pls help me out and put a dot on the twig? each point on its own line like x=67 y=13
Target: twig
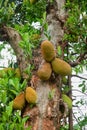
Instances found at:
x=79 y=91
x=79 y=59
x=79 y=77
x=76 y=119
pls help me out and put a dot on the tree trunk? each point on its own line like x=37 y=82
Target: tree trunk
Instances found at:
x=70 y=111
x=47 y=113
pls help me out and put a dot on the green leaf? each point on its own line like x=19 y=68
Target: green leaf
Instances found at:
x=51 y=94
x=1 y=126
x=11 y=82
x=67 y=100
x=11 y=126
x=24 y=120
x=59 y=50
x=9 y=109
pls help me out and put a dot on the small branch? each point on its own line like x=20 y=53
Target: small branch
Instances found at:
x=76 y=119
x=79 y=59
x=79 y=77
x=79 y=91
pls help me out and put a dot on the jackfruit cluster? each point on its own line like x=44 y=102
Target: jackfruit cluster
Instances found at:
x=52 y=63
x=44 y=72
x=67 y=100
x=29 y=95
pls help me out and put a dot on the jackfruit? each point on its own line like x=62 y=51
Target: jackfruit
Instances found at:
x=19 y=101
x=30 y=95
x=61 y=67
x=67 y=100
x=44 y=72
x=48 y=51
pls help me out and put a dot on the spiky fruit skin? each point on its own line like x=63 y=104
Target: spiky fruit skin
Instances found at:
x=47 y=50
x=61 y=67
x=19 y=101
x=67 y=100
x=44 y=72
x=30 y=95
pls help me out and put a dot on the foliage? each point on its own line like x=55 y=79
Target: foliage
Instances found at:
x=12 y=120
x=21 y=15
x=30 y=38
x=81 y=123
x=75 y=38
x=75 y=30
x=7 y=11
x=10 y=86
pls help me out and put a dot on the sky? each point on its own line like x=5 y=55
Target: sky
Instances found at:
x=6 y=56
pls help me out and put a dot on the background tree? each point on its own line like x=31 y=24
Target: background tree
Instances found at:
x=64 y=24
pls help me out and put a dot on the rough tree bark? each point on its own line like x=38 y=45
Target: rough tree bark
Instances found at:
x=47 y=113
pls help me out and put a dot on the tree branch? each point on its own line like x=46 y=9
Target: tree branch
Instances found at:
x=14 y=39
x=79 y=91
x=79 y=77
x=79 y=59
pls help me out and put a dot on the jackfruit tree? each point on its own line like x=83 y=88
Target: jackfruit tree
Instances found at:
x=45 y=55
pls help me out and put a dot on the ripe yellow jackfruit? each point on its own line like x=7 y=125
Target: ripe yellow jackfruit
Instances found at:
x=44 y=72
x=61 y=67
x=67 y=100
x=47 y=50
x=30 y=95
x=19 y=101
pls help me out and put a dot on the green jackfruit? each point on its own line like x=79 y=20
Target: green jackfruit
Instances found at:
x=19 y=101
x=47 y=50
x=44 y=72
x=30 y=95
x=67 y=100
x=61 y=67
